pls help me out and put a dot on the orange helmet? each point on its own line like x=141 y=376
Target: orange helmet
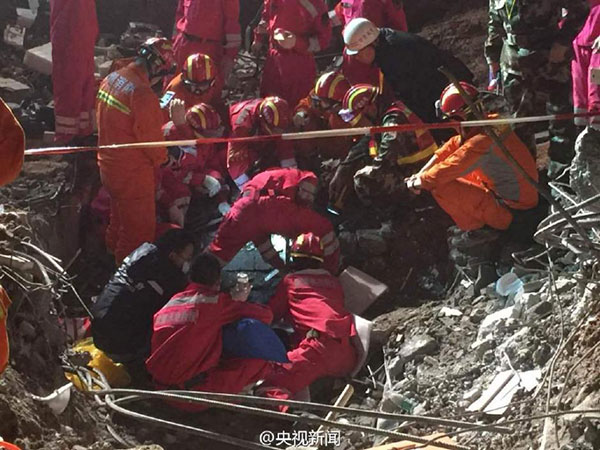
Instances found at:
x=330 y=86
x=199 y=73
x=356 y=100
x=204 y=120
x=275 y=115
x=452 y=104
x=158 y=53
x=308 y=245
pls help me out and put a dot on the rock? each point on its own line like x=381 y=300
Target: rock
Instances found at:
x=472 y=395
x=371 y=242
x=491 y=322
x=418 y=345
x=481 y=347
x=14 y=91
x=477 y=315
x=528 y=300
x=348 y=242
x=78 y=447
x=539 y=310
x=27 y=330
x=395 y=366
x=40 y=59
x=542 y=354
x=564 y=284
x=450 y=312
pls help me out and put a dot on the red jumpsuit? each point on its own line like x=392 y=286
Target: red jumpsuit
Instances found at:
x=586 y=94
x=128 y=111
x=244 y=120
x=197 y=162
x=475 y=183
x=311 y=300
x=73 y=32
x=268 y=206
x=210 y=27
x=177 y=89
x=290 y=74
x=187 y=343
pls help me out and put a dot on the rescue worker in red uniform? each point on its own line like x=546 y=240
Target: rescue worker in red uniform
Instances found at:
x=319 y=111
x=128 y=111
x=73 y=33
x=12 y=149
x=210 y=27
x=295 y=30
x=470 y=177
x=197 y=83
x=194 y=169
x=276 y=201
x=187 y=343
x=259 y=116
x=312 y=300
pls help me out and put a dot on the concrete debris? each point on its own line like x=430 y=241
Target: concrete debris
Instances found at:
x=491 y=322
x=450 y=312
x=419 y=345
x=406 y=445
x=14 y=36
x=496 y=399
x=25 y=17
x=371 y=242
x=538 y=311
x=13 y=90
x=585 y=167
x=40 y=59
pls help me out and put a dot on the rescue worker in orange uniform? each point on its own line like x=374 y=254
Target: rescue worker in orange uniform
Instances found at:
x=197 y=83
x=12 y=148
x=319 y=111
x=470 y=177
x=276 y=201
x=312 y=300
x=256 y=117
x=295 y=30
x=196 y=168
x=128 y=111
x=210 y=27
x=187 y=342
x=73 y=33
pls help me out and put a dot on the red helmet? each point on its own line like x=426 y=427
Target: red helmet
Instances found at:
x=275 y=115
x=199 y=67
x=308 y=245
x=332 y=86
x=204 y=120
x=158 y=52
x=451 y=102
x=356 y=100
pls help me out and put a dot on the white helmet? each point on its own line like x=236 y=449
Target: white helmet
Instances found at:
x=358 y=34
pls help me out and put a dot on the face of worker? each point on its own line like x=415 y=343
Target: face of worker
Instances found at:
x=366 y=55
x=182 y=259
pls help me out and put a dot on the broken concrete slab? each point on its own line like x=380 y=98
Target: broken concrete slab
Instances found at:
x=13 y=90
x=360 y=289
x=14 y=36
x=538 y=310
x=497 y=397
x=489 y=324
x=40 y=59
x=25 y=17
x=419 y=345
x=450 y=312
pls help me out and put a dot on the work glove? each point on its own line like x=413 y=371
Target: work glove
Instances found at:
x=224 y=208
x=177 y=112
x=494 y=81
x=596 y=45
x=300 y=120
x=284 y=39
x=212 y=185
x=413 y=183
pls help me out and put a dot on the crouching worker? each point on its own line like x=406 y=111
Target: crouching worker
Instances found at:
x=474 y=182
x=187 y=343
x=312 y=300
x=276 y=201
x=145 y=281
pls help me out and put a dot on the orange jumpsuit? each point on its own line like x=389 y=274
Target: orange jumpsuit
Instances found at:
x=12 y=145
x=176 y=89
x=476 y=185
x=128 y=111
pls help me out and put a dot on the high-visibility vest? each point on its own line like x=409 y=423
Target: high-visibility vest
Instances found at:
x=425 y=142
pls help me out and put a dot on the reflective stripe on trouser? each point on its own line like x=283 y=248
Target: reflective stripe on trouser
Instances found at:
x=472 y=206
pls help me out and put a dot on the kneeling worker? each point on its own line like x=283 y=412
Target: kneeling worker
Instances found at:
x=472 y=179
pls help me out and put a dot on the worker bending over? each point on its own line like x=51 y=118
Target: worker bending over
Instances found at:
x=187 y=343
